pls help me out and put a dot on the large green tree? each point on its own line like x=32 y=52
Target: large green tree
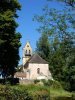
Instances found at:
x=59 y=27
x=9 y=38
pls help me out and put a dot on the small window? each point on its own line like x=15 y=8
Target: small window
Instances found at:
x=29 y=52
x=38 y=70
x=26 y=51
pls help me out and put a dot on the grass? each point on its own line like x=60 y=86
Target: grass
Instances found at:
x=53 y=92
x=59 y=93
x=49 y=88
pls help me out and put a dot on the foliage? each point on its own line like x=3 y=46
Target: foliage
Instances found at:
x=32 y=92
x=43 y=47
x=59 y=28
x=11 y=81
x=42 y=95
x=36 y=81
x=9 y=38
x=73 y=95
x=68 y=2
x=53 y=84
x=7 y=92
x=23 y=93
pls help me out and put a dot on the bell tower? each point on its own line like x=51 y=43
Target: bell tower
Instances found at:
x=27 y=52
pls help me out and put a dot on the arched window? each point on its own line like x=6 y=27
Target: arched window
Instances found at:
x=26 y=52
x=38 y=70
x=29 y=52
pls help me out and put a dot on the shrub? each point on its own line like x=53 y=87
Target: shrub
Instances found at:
x=23 y=92
x=52 y=83
x=41 y=95
x=73 y=96
x=44 y=81
x=8 y=93
x=9 y=81
x=65 y=85
x=55 y=84
x=36 y=81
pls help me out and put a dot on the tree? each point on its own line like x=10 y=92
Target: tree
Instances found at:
x=43 y=47
x=68 y=2
x=9 y=38
x=59 y=27
x=68 y=48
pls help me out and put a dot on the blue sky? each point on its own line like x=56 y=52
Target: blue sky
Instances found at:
x=27 y=27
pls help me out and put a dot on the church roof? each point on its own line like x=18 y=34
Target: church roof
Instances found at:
x=36 y=59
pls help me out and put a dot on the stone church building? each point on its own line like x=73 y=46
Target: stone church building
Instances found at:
x=34 y=67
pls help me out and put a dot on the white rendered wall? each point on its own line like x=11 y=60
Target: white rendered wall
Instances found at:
x=44 y=68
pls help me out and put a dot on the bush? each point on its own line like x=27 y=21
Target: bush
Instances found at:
x=19 y=92
x=65 y=85
x=8 y=93
x=36 y=81
x=55 y=84
x=73 y=96
x=41 y=95
x=12 y=81
x=52 y=83
x=33 y=92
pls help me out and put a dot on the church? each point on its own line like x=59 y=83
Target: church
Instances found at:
x=34 y=67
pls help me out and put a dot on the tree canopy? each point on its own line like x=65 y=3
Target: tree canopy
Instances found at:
x=59 y=26
x=9 y=38
x=68 y=2
x=43 y=46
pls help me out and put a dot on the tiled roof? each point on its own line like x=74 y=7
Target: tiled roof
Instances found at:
x=37 y=59
x=20 y=74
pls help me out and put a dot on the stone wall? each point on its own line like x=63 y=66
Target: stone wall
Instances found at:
x=26 y=81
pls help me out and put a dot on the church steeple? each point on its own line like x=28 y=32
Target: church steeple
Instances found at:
x=27 y=52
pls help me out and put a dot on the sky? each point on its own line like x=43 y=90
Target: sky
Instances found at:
x=27 y=27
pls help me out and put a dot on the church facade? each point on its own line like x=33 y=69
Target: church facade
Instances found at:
x=34 y=67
